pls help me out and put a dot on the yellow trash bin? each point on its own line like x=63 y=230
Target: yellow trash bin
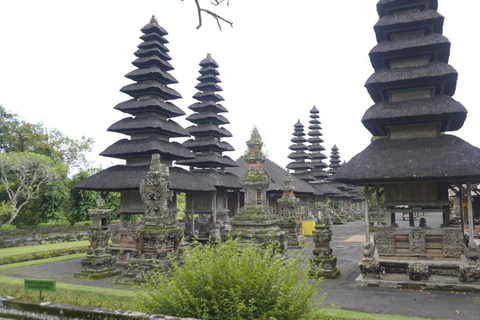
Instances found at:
x=308 y=227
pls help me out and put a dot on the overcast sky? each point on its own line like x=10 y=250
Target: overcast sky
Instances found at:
x=63 y=63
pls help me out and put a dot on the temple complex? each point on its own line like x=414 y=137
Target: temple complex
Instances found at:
x=415 y=161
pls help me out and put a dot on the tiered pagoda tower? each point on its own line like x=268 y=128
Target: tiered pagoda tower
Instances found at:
x=334 y=161
x=207 y=145
x=207 y=211
x=300 y=167
x=149 y=128
x=417 y=161
x=316 y=147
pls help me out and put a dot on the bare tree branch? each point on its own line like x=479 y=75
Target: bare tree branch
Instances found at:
x=217 y=17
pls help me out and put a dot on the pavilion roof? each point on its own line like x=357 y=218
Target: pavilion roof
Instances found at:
x=126 y=148
x=441 y=108
x=446 y=158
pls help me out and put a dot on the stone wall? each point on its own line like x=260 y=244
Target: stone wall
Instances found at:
x=13 y=308
x=28 y=237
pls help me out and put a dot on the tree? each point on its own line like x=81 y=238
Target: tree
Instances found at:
x=218 y=18
x=23 y=174
x=20 y=136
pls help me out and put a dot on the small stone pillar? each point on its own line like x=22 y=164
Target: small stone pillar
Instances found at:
x=291 y=222
x=369 y=265
x=323 y=263
x=99 y=263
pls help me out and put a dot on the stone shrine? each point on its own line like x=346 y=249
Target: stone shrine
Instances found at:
x=291 y=224
x=99 y=263
x=255 y=221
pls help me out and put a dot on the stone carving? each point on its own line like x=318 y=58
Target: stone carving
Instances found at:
x=452 y=242
x=417 y=242
x=155 y=193
x=369 y=266
x=384 y=240
x=469 y=273
x=418 y=271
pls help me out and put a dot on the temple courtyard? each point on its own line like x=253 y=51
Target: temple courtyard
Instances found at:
x=340 y=293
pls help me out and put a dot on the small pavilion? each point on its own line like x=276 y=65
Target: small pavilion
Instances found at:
x=415 y=160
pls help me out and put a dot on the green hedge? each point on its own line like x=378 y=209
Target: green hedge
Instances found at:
x=41 y=255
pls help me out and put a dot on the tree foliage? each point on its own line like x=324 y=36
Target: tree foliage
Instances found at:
x=20 y=136
x=231 y=281
x=23 y=174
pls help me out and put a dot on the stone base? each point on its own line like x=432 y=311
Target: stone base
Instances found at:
x=403 y=281
x=325 y=267
x=327 y=274
x=97 y=274
x=296 y=241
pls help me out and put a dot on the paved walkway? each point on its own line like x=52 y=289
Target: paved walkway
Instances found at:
x=340 y=293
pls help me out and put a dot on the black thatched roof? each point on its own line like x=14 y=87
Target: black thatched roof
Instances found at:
x=153 y=103
x=125 y=148
x=218 y=179
x=153 y=44
x=325 y=188
x=207 y=117
x=153 y=26
x=150 y=87
x=208 y=96
x=148 y=61
x=208 y=144
x=423 y=18
x=149 y=123
x=153 y=72
x=209 y=130
x=430 y=44
x=383 y=6
x=207 y=105
x=441 y=108
x=206 y=160
x=276 y=175
x=152 y=51
x=435 y=73
x=446 y=158
x=121 y=177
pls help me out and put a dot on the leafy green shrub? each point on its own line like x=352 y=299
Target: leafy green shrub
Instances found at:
x=7 y=227
x=230 y=281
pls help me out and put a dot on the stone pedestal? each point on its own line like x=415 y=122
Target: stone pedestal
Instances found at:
x=99 y=263
x=293 y=233
x=323 y=263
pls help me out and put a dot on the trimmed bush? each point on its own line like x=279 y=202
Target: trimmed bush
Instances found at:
x=231 y=281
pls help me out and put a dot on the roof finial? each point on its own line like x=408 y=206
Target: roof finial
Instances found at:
x=153 y=20
x=209 y=55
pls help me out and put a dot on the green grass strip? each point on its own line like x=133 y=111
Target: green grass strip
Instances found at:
x=42 y=261
x=6 y=252
x=339 y=314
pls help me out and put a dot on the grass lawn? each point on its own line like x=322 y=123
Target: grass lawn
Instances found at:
x=6 y=252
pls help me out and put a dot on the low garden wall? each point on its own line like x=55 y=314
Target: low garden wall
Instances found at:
x=13 y=308
x=29 y=237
